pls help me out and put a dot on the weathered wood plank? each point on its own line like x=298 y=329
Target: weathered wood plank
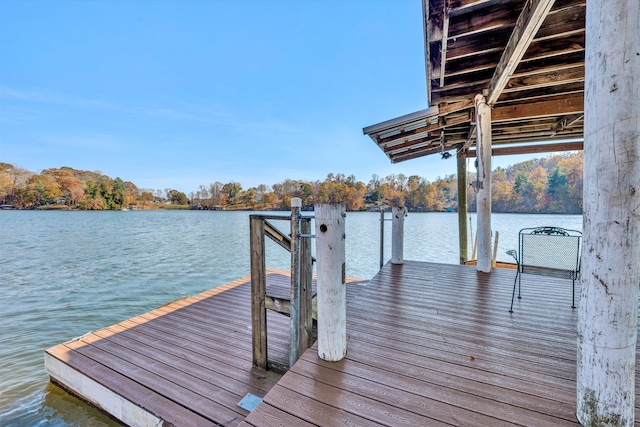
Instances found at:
x=258 y=289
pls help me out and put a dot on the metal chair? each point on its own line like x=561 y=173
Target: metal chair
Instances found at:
x=547 y=251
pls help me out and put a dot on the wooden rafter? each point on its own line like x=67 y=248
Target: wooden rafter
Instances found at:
x=445 y=36
x=527 y=26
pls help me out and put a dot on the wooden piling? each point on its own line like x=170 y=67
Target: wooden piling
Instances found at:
x=483 y=143
x=294 y=314
x=462 y=204
x=608 y=308
x=381 y=236
x=397 y=234
x=330 y=256
x=258 y=290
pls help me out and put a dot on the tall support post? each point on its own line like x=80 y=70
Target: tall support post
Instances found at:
x=306 y=287
x=294 y=314
x=397 y=235
x=483 y=144
x=381 y=236
x=462 y=204
x=258 y=289
x=330 y=258
x=607 y=315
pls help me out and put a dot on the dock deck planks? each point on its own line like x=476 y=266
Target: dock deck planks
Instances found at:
x=433 y=344
x=187 y=363
x=427 y=344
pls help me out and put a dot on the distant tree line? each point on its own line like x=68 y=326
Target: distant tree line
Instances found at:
x=547 y=185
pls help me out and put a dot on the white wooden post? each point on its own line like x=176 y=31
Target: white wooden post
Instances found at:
x=607 y=315
x=294 y=347
x=483 y=149
x=330 y=259
x=397 y=235
x=381 y=237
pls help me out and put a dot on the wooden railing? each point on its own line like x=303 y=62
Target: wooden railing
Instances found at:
x=298 y=306
x=331 y=301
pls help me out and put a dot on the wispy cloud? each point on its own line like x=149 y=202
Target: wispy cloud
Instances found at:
x=181 y=111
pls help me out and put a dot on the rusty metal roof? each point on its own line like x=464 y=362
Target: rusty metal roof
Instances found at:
x=526 y=56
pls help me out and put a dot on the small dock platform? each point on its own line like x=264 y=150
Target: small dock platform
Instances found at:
x=428 y=344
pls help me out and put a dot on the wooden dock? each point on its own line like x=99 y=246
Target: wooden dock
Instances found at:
x=428 y=344
x=187 y=363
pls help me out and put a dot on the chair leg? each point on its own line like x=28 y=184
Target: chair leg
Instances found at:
x=513 y=294
x=519 y=284
x=573 y=296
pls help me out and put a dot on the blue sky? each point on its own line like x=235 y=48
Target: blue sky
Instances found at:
x=174 y=94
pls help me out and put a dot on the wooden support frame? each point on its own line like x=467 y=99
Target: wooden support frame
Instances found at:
x=527 y=25
x=462 y=204
x=299 y=304
x=294 y=314
x=483 y=183
x=258 y=291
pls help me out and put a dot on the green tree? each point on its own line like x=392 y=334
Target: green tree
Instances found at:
x=176 y=197
x=118 y=192
x=42 y=189
x=232 y=190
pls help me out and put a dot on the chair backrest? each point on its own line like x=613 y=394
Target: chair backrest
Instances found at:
x=550 y=251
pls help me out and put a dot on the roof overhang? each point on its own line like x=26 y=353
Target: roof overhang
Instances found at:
x=525 y=56
x=404 y=135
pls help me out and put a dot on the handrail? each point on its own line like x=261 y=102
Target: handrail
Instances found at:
x=300 y=302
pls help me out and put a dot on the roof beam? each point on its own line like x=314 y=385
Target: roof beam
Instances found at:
x=572 y=104
x=529 y=21
x=532 y=149
x=445 y=38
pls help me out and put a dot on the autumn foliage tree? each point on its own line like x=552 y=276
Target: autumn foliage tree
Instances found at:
x=548 y=185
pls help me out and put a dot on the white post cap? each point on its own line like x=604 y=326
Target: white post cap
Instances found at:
x=296 y=202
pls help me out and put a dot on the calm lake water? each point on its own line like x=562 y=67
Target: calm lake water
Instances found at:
x=67 y=273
